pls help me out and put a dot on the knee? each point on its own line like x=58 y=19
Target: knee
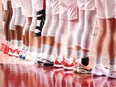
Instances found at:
x=111 y=32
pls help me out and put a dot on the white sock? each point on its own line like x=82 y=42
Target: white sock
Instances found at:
x=112 y=61
x=19 y=44
x=26 y=48
x=59 y=51
x=50 y=50
x=98 y=60
x=31 y=49
x=23 y=46
x=69 y=53
x=44 y=48
x=38 y=50
x=13 y=42
x=84 y=54
x=7 y=42
x=78 y=56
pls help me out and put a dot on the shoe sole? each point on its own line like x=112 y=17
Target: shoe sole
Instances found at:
x=67 y=68
x=55 y=65
x=39 y=62
x=48 y=64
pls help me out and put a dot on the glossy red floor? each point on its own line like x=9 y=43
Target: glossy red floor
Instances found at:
x=28 y=75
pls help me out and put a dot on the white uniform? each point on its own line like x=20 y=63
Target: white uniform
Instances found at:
x=17 y=18
x=86 y=4
x=68 y=9
x=27 y=7
x=52 y=7
x=4 y=2
x=105 y=8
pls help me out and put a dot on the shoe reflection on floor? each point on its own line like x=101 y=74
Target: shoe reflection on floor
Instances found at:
x=29 y=75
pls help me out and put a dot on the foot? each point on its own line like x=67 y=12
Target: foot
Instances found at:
x=112 y=73
x=99 y=70
x=68 y=64
x=58 y=62
x=48 y=61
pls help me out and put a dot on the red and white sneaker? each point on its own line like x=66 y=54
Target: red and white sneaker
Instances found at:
x=58 y=62
x=11 y=52
x=17 y=52
x=4 y=47
x=68 y=64
x=6 y=50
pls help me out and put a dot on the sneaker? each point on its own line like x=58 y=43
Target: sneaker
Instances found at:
x=17 y=52
x=80 y=68
x=58 y=62
x=111 y=73
x=99 y=70
x=30 y=56
x=5 y=47
x=68 y=64
x=22 y=54
x=11 y=52
x=48 y=61
x=39 y=59
x=6 y=50
x=2 y=47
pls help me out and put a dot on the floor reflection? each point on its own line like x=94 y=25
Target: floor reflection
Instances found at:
x=23 y=75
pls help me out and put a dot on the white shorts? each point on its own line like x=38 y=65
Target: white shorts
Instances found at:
x=37 y=5
x=4 y=2
x=105 y=8
x=86 y=4
x=68 y=9
x=18 y=4
x=14 y=3
x=52 y=7
x=26 y=6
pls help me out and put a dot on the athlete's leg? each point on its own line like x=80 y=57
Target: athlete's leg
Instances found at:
x=87 y=36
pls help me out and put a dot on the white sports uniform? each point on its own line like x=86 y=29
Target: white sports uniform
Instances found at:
x=26 y=7
x=106 y=8
x=52 y=7
x=17 y=18
x=86 y=4
x=68 y=9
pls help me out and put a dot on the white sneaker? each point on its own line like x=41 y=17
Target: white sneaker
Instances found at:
x=99 y=70
x=38 y=59
x=111 y=73
x=48 y=61
x=30 y=56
